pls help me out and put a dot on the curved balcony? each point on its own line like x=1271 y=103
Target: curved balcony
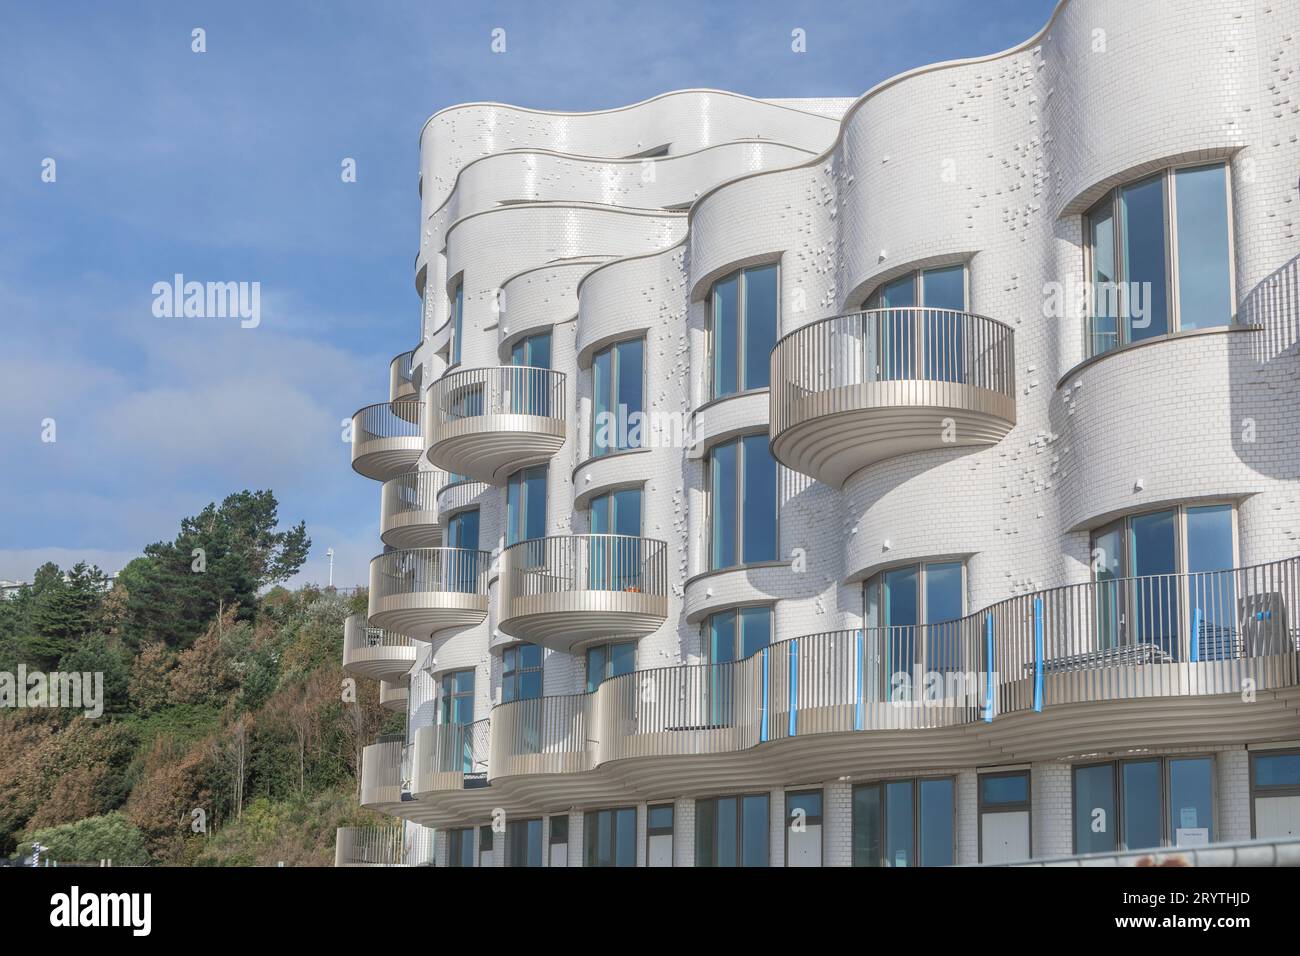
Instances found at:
x=857 y=389
x=488 y=422
x=408 y=510
x=381 y=772
x=562 y=591
x=541 y=736
x=386 y=439
x=393 y=696
x=409 y=845
x=404 y=381
x=422 y=590
x=448 y=757
x=375 y=653
x=1112 y=643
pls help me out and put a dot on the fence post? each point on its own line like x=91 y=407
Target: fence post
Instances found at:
x=857 y=704
x=794 y=685
x=1038 y=654
x=988 y=674
x=762 y=724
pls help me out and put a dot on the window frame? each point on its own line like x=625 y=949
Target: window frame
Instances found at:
x=588 y=831
x=1026 y=806
x=605 y=646
x=457 y=837
x=819 y=820
x=511 y=835
x=1269 y=790
x=613 y=348
x=526 y=342
x=740 y=829
x=1124 y=525
x=1113 y=196
x=883 y=835
x=917 y=275
x=739 y=442
x=710 y=331
x=456 y=337
x=513 y=655
x=519 y=479
x=877 y=581
x=1166 y=797
x=445 y=699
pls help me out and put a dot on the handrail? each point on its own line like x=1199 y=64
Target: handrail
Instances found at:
x=414 y=491
x=586 y=562
x=360 y=636
x=442 y=755
x=501 y=390
x=421 y=570
x=1151 y=636
x=402 y=372
x=397 y=419
x=828 y=358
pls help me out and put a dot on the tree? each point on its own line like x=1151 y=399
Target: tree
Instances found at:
x=107 y=837
x=65 y=609
x=221 y=557
x=150 y=678
x=99 y=654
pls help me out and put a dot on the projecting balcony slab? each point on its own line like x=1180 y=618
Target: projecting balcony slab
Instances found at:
x=374 y=653
x=408 y=511
x=857 y=389
x=487 y=423
x=386 y=439
x=422 y=590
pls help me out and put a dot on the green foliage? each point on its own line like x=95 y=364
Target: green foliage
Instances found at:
x=107 y=837
x=220 y=558
x=97 y=653
x=63 y=609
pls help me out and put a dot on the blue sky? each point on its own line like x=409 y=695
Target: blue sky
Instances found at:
x=224 y=166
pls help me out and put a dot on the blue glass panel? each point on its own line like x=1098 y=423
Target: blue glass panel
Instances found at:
x=1191 y=796
x=723 y=505
x=1142 y=804
x=755 y=828
x=899 y=824
x=937 y=837
x=630 y=392
x=1143 y=221
x=1094 y=809
x=758 y=509
x=1204 y=264
x=726 y=338
x=760 y=325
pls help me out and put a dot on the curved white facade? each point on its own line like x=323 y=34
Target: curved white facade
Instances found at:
x=614 y=227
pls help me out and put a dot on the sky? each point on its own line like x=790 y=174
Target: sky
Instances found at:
x=225 y=165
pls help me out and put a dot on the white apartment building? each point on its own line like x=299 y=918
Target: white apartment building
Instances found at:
x=907 y=480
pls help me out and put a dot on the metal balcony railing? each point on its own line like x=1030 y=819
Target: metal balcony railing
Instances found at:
x=505 y=390
x=429 y=570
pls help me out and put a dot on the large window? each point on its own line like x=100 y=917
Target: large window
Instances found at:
x=462 y=530
x=521 y=673
x=1004 y=807
x=659 y=835
x=559 y=841
x=609 y=660
x=618 y=394
x=903 y=332
x=732 y=831
x=803 y=828
x=910 y=618
x=1275 y=794
x=616 y=564
x=1159 y=256
x=742 y=502
x=526 y=505
x=730 y=636
x=524 y=843
x=1143 y=803
x=533 y=351
x=457 y=324
x=460 y=847
x=609 y=837
x=1181 y=603
x=904 y=823
x=457 y=697
x=742 y=330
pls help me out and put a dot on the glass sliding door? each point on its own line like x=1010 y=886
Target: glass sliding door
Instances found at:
x=461 y=572
x=616 y=563
x=900 y=824
x=1153 y=549
x=898 y=329
x=457 y=710
x=945 y=348
x=1107 y=562
x=937 y=823
x=1094 y=809
x=1141 y=797
x=1211 y=588
x=733 y=636
x=530 y=392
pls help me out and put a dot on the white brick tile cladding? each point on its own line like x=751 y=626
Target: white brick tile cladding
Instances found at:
x=988 y=162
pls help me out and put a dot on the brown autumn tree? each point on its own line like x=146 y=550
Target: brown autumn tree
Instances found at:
x=150 y=681
x=203 y=673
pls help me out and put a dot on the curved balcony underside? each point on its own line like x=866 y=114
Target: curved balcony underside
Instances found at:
x=489 y=448
x=381 y=775
x=564 y=591
x=885 y=420
x=393 y=696
x=857 y=389
x=408 y=510
x=420 y=591
x=485 y=423
x=375 y=654
x=386 y=441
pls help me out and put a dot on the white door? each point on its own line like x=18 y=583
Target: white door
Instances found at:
x=1277 y=817
x=1005 y=837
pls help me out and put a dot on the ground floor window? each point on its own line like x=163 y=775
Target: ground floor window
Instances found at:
x=610 y=837
x=1004 y=807
x=524 y=843
x=1143 y=803
x=905 y=823
x=732 y=831
x=559 y=841
x=659 y=835
x=803 y=828
x=485 y=845
x=1275 y=794
x=460 y=847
